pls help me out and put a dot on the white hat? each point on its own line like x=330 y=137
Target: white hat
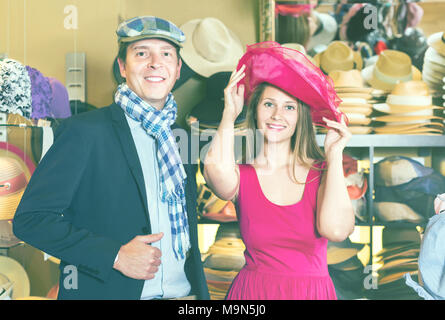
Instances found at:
x=210 y=47
x=15 y=273
x=327 y=33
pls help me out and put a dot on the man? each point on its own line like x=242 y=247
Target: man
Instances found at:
x=112 y=196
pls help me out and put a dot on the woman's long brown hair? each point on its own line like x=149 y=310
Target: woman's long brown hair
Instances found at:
x=305 y=149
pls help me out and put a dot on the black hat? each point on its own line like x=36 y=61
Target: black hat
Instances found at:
x=209 y=111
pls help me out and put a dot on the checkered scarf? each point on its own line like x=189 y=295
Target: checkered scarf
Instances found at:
x=157 y=124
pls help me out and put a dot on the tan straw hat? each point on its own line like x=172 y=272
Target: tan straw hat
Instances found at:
x=392 y=67
x=13 y=182
x=338 y=56
x=349 y=81
x=298 y=47
x=210 y=47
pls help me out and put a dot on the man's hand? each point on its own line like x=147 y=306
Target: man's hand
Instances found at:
x=138 y=259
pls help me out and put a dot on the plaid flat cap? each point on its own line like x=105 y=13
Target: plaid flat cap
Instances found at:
x=149 y=27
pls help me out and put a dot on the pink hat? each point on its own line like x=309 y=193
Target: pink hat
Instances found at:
x=292 y=72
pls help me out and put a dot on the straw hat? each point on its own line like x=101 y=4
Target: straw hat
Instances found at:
x=392 y=67
x=394 y=211
x=338 y=56
x=299 y=47
x=350 y=81
x=409 y=99
x=358 y=119
x=354 y=129
x=341 y=251
x=343 y=93
x=437 y=42
x=366 y=109
x=388 y=129
x=13 y=182
x=15 y=273
x=211 y=47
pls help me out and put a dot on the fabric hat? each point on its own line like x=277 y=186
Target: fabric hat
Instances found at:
x=437 y=42
x=13 y=182
x=60 y=104
x=349 y=81
x=327 y=31
x=394 y=211
x=291 y=71
x=41 y=94
x=146 y=27
x=227 y=214
x=15 y=88
x=341 y=251
x=397 y=170
x=209 y=111
x=392 y=67
x=17 y=275
x=338 y=56
x=418 y=193
x=431 y=262
x=211 y=48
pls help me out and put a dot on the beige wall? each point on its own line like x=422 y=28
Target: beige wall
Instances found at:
x=41 y=40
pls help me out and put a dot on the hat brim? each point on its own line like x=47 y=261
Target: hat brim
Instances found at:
x=16 y=274
x=354 y=129
x=409 y=119
x=433 y=56
x=347 y=90
x=144 y=37
x=348 y=94
x=403 y=110
x=429 y=65
x=435 y=41
x=366 y=110
x=201 y=65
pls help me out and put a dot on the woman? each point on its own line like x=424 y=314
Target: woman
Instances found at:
x=292 y=199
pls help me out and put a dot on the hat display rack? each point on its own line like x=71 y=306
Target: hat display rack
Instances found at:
x=391 y=84
x=32 y=106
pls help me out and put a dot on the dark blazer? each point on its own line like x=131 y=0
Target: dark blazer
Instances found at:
x=87 y=198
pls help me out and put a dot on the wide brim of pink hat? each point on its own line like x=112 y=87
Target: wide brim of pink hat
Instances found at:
x=291 y=71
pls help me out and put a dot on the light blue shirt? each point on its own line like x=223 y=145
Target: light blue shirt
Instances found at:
x=431 y=261
x=170 y=281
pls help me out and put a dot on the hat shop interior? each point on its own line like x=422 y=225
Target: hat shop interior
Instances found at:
x=385 y=58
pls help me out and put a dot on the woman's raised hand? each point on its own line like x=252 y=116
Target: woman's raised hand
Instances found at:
x=234 y=95
x=337 y=138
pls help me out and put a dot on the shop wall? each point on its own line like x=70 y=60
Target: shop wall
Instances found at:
x=36 y=33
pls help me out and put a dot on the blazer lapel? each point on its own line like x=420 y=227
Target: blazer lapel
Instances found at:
x=127 y=144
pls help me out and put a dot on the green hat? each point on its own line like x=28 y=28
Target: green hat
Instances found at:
x=146 y=27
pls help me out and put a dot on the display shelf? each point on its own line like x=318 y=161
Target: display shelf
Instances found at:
x=390 y=140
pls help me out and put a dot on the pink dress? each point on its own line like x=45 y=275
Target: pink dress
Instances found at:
x=285 y=256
